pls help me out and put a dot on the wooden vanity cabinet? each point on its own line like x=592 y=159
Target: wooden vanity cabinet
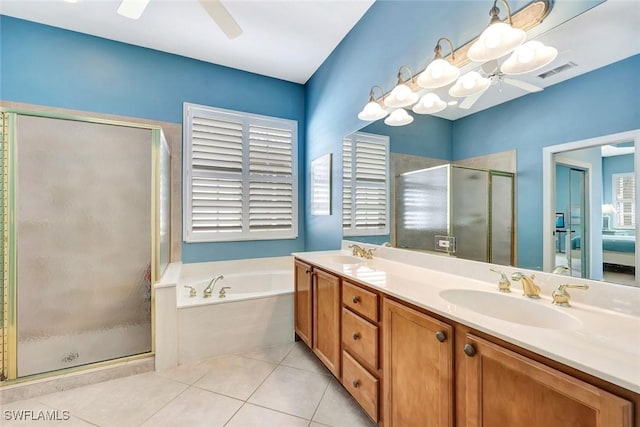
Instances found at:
x=498 y=387
x=361 y=370
x=326 y=319
x=303 y=306
x=417 y=368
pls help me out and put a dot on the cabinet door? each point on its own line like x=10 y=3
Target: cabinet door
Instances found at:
x=417 y=368
x=504 y=388
x=303 y=301
x=326 y=320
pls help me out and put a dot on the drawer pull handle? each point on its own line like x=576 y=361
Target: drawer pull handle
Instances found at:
x=469 y=350
x=441 y=336
x=356 y=299
x=356 y=383
x=356 y=336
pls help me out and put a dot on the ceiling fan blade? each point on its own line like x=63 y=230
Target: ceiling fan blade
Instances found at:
x=470 y=100
x=222 y=17
x=522 y=85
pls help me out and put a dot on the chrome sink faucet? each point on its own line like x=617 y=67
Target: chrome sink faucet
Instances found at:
x=209 y=289
x=529 y=288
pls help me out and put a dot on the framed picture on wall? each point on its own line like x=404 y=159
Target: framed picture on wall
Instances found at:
x=560 y=220
x=321 y=185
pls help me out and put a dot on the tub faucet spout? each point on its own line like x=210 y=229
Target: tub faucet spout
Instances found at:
x=209 y=289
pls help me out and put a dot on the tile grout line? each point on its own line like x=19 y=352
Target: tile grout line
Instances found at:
x=320 y=401
x=166 y=404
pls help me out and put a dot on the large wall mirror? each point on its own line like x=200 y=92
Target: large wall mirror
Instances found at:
x=487 y=163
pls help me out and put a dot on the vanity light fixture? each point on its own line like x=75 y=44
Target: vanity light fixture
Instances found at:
x=469 y=84
x=398 y=117
x=498 y=39
x=401 y=95
x=529 y=57
x=439 y=72
x=373 y=110
x=132 y=8
x=429 y=104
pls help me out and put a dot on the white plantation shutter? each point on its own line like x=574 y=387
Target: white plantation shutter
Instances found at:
x=240 y=176
x=365 y=184
x=624 y=190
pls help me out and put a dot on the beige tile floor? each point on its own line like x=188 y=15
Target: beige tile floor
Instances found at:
x=277 y=386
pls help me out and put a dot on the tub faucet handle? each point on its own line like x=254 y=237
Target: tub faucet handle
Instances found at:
x=192 y=291
x=223 y=292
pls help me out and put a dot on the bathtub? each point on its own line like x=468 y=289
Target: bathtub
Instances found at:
x=257 y=309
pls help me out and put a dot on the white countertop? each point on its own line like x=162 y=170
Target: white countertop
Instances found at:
x=606 y=345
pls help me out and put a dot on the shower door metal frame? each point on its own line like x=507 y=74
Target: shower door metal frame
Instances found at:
x=9 y=339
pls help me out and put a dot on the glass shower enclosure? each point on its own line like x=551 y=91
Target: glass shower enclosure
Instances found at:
x=86 y=228
x=462 y=211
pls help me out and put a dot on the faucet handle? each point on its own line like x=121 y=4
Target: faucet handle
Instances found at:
x=192 y=291
x=222 y=293
x=368 y=253
x=504 y=285
x=561 y=297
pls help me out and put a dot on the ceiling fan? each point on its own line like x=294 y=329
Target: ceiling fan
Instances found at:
x=497 y=77
x=217 y=11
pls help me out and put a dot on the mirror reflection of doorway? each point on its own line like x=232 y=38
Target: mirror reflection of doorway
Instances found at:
x=573 y=207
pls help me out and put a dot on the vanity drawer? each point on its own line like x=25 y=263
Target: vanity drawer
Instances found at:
x=361 y=384
x=360 y=300
x=360 y=337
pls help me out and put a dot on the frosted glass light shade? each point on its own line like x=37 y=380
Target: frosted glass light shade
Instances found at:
x=132 y=8
x=437 y=74
x=529 y=57
x=400 y=96
x=497 y=40
x=372 y=111
x=469 y=84
x=398 y=117
x=429 y=104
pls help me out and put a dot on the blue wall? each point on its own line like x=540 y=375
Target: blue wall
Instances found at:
x=594 y=104
x=53 y=67
x=390 y=34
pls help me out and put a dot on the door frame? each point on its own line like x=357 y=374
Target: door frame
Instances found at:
x=548 y=185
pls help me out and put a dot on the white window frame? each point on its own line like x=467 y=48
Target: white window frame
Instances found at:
x=189 y=111
x=353 y=231
x=615 y=200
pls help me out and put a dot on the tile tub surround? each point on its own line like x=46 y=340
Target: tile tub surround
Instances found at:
x=606 y=346
x=187 y=330
x=266 y=391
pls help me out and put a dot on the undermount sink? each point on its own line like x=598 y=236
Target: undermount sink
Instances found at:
x=342 y=259
x=512 y=309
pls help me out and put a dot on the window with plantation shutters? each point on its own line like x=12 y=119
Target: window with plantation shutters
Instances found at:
x=624 y=190
x=240 y=176
x=365 y=177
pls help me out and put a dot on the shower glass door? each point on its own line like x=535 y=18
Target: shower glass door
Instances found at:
x=83 y=221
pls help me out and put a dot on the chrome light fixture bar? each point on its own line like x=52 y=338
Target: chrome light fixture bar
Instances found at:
x=401 y=95
x=373 y=110
x=439 y=72
x=498 y=39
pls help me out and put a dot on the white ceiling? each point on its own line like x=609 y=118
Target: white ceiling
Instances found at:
x=288 y=40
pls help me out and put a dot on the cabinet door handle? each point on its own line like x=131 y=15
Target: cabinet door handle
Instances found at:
x=356 y=383
x=469 y=350
x=356 y=336
x=356 y=299
x=307 y=271
x=441 y=336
